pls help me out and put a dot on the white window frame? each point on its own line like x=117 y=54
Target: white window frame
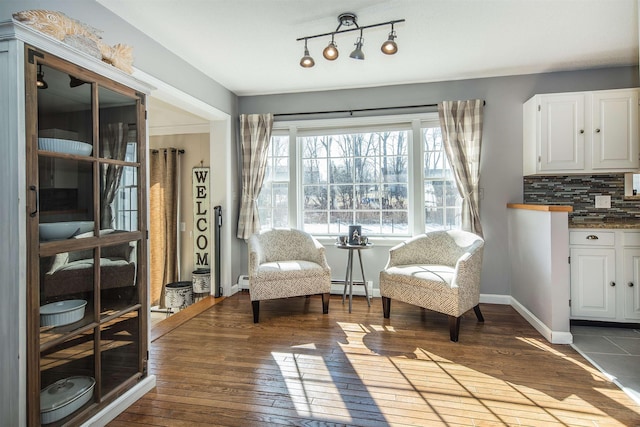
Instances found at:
x=415 y=190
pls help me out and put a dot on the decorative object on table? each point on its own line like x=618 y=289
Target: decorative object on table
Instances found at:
x=439 y=271
x=342 y=240
x=364 y=240
x=64 y=397
x=62 y=312
x=78 y=35
x=355 y=231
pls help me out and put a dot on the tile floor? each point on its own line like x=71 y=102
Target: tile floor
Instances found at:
x=614 y=351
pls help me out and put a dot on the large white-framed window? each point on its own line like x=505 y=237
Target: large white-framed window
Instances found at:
x=388 y=174
x=273 y=201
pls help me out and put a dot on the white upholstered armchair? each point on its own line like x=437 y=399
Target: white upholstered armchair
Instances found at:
x=287 y=263
x=439 y=271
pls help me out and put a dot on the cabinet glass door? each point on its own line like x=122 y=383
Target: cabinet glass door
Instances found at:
x=87 y=237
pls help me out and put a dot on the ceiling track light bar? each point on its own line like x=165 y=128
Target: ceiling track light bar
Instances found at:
x=357 y=28
x=349 y=19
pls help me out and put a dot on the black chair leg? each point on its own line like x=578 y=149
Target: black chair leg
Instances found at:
x=386 y=307
x=256 y=310
x=325 y=303
x=476 y=309
x=454 y=328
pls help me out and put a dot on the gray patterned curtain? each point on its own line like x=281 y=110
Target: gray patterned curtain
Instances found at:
x=113 y=146
x=255 y=134
x=461 y=123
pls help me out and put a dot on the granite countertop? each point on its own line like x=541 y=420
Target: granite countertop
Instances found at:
x=581 y=222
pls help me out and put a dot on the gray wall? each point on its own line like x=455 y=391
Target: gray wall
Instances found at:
x=149 y=56
x=501 y=161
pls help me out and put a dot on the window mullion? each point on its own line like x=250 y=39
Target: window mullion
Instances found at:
x=295 y=179
x=415 y=172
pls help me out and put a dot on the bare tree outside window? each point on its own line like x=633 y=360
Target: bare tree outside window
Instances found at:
x=364 y=179
x=361 y=176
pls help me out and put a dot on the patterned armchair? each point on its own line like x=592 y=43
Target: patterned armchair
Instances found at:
x=287 y=263
x=439 y=271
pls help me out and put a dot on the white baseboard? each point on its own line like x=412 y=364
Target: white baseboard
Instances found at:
x=121 y=403
x=495 y=299
x=233 y=289
x=554 y=337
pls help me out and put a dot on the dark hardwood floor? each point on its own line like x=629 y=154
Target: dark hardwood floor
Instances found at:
x=299 y=367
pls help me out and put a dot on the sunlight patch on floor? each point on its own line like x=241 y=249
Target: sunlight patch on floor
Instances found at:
x=308 y=383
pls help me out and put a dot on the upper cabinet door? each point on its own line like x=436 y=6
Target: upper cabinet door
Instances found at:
x=562 y=124
x=615 y=130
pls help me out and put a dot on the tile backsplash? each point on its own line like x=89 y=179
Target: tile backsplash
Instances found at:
x=579 y=191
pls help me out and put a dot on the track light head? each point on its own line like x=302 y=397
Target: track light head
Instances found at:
x=358 y=53
x=390 y=47
x=330 y=52
x=307 y=61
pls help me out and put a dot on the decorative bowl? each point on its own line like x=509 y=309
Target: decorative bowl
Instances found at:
x=63 y=230
x=64 y=397
x=66 y=146
x=62 y=312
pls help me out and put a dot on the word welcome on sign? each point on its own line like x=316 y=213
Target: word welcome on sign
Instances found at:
x=201 y=217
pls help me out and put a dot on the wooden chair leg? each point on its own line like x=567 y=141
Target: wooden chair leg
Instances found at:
x=476 y=309
x=454 y=328
x=256 y=310
x=386 y=307
x=325 y=303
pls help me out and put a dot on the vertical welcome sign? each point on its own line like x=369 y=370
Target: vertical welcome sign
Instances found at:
x=201 y=217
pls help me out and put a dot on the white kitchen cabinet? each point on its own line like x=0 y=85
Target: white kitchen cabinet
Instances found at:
x=614 y=130
x=605 y=270
x=581 y=132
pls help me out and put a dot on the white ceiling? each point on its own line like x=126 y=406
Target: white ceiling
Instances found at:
x=250 y=47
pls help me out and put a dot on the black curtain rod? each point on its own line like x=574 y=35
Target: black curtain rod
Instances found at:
x=359 y=110
x=165 y=150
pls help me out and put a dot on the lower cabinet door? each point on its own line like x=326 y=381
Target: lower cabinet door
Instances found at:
x=593 y=283
x=631 y=285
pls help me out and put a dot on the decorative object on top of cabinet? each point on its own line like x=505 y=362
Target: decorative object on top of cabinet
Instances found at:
x=581 y=132
x=78 y=35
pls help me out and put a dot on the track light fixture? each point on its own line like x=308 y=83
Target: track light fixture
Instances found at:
x=307 y=61
x=40 y=83
x=390 y=47
x=330 y=52
x=348 y=19
x=358 y=53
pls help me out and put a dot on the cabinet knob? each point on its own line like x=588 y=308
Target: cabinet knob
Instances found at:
x=597 y=130
x=630 y=284
x=612 y=283
x=581 y=130
x=592 y=237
